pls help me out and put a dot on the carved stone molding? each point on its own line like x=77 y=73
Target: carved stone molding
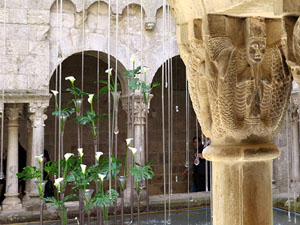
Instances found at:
x=38 y=117
x=238 y=78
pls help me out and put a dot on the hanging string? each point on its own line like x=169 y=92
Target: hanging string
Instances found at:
x=169 y=114
x=98 y=72
x=2 y=101
x=82 y=63
x=187 y=145
x=115 y=110
x=288 y=165
x=109 y=101
x=163 y=112
x=56 y=84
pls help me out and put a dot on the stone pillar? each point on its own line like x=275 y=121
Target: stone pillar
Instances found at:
x=294 y=120
x=139 y=128
x=37 y=119
x=12 y=200
x=240 y=89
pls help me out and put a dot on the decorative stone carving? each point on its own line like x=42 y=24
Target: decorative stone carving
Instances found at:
x=38 y=117
x=240 y=86
x=239 y=83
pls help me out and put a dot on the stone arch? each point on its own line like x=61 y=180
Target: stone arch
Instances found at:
x=104 y=58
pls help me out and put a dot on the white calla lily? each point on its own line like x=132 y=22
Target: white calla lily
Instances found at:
x=83 y=168
x=145 y=69
x=134 y=150
x=109 y=71
x=40 y=158
x=57 y=182
x=98 y=155
x=132 y=59
x=101 y=176
x=128 y=141
x=54 y=92
x=80 y=151
x=68 y=155
x=71 y=79
x=90 y=100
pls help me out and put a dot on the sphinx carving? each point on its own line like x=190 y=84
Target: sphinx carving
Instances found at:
x=244 y=84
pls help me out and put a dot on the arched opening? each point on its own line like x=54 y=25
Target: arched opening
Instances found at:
x=72 y=66
x=179 y=182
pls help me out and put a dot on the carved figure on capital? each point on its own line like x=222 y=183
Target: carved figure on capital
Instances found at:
x=238 y=78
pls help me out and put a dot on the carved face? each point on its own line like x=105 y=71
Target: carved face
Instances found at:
x=256 y=50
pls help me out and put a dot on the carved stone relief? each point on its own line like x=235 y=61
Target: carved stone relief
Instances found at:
x=244 y=84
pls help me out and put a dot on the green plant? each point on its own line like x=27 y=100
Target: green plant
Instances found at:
x=90 y=117
x=136 y=83
x=113 y=85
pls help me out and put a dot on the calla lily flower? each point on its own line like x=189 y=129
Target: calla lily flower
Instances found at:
x=83 y=168
x=71 y=79
x=80 y=151
x=132 y=59
x=90 y=100
x=108 y=71
x=98 y=155
x=68 y=155
x=134 y=150
x=128 y=141
x=101 y=176
x=57 y=182
x=40 y=158
x=54 y=92
x=145 y=69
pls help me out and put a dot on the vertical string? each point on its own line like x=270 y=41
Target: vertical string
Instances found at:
x=98 y=72
x=60 y=92
x=2 y=101
x=56 y=83
x=109 y=100
x=82 y=63
x=288 y=165
x=169 y=114
x=163 y=112
x=187 y=145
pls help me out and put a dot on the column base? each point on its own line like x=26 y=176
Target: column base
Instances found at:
x=11 y=202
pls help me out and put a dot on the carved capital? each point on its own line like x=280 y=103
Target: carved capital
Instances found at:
x=38 y=117
x=140 y=108
x=238 y=79
x=13 y=112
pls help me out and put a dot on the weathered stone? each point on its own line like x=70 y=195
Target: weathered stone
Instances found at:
x=39 y=17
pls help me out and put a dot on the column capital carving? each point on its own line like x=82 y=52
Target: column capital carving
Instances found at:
x=37 y=116
x=238 y=79
x=13 y=111
x=140 y=108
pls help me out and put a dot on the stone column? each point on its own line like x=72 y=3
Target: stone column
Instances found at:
x=12 y=200
x=240 y=89
x=37 y=119
x=294 y=120
x=139 y=128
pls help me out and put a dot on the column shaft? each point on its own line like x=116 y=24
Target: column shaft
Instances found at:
x=11 y=200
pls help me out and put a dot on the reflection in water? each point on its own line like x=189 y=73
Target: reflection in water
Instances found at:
x=196 y=217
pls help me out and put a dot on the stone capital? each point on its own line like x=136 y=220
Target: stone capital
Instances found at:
x=38 y=117
x=139 y=105
x=13 y=111
x=238 y=78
